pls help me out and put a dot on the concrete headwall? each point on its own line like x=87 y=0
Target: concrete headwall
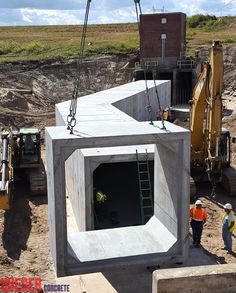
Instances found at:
x=202 y=279
x=75 y=187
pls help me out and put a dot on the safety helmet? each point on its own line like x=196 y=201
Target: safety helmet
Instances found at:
x=228 y=206
x=198 y=202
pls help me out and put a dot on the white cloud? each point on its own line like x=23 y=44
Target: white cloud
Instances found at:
x=50 y=17
x=101 y=11
x=115 y=16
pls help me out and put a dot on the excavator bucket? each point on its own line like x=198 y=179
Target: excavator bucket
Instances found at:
x=4 y=201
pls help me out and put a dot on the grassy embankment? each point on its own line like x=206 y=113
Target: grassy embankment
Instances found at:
x=62 y=42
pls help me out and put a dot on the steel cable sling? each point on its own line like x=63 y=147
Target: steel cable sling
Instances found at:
x=158 y=100
x=71 y=120
x=149 y=107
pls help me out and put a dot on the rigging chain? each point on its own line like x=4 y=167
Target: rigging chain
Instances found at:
x=149 y=107
x=71 y=120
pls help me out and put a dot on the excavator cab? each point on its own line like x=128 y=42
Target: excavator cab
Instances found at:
x=29 y=154
x=21 y=160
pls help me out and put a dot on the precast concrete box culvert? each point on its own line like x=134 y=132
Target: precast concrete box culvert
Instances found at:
x=101 y=156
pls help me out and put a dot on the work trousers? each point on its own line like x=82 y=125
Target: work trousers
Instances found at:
x=197 y=227
x=227 y=236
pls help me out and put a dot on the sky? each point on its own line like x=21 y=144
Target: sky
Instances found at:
x=61 y=12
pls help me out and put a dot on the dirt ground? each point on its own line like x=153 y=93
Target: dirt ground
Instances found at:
x=24 y=245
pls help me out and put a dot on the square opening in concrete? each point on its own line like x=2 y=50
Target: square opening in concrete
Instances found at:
x=114 y=228
x=120 y=184
x=114 y=172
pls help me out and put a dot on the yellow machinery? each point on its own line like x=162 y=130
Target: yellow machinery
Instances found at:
x=21 y=158
x=210 y=144
x=6 y=173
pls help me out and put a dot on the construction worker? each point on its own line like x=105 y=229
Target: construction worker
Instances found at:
x=228 y=224
x=159 y=113
x=198 y=218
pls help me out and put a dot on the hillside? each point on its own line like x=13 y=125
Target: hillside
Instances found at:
x=34 y=43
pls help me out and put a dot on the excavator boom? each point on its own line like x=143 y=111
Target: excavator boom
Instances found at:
x=205 y=117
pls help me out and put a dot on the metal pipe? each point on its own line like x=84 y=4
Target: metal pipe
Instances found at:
x=4 y=160
x=217 y=147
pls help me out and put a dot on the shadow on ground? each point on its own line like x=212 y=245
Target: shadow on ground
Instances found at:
x=17 y=223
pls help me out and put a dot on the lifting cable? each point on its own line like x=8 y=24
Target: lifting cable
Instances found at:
x=138 y=10
x=149 y=107
x=158 y=99
x=71 y=120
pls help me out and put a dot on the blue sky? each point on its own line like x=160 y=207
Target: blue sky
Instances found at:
x=40 y=12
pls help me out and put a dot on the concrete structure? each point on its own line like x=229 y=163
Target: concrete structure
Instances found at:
x=162 y=36
x=163 y=54
x=71 y=160
x=204 y=279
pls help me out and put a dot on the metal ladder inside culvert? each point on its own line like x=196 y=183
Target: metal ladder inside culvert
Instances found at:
x=145 y=189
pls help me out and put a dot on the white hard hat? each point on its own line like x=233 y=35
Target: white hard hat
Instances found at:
x=198 y=202
x=228 y=206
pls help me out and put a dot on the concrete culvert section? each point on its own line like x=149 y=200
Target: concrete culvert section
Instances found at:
x=104 y=146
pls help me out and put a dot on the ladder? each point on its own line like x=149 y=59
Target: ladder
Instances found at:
x=145 y=189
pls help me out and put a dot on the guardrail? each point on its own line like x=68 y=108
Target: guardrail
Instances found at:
x=186 y=63
x=148 y=65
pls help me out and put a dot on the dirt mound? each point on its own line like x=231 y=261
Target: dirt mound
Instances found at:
x=13 y=100
x=51 y=83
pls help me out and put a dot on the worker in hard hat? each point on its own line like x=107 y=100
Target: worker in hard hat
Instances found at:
x=228 y=224
x=198 y=217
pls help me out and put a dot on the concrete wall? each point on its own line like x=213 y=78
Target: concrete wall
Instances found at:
x=204 y=279
x=136 y=105
x=75 y=187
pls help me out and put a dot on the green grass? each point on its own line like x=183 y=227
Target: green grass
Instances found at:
x=62 y=42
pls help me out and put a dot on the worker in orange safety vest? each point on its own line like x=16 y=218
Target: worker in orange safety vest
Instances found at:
x=198 y=218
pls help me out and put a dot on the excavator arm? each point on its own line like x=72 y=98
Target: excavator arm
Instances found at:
x=6 y=174
x=205 y=117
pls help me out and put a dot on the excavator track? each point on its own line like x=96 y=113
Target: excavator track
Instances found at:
x=38 y=181
x=229 y=180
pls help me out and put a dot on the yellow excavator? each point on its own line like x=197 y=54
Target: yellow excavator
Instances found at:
x=21 y=160
x=210 y=143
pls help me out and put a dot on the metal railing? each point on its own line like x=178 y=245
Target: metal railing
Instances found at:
x=186 y=63
x=147 y=65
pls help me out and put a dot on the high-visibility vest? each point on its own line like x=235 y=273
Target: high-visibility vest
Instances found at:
x=229 y=220
x=198 y=214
